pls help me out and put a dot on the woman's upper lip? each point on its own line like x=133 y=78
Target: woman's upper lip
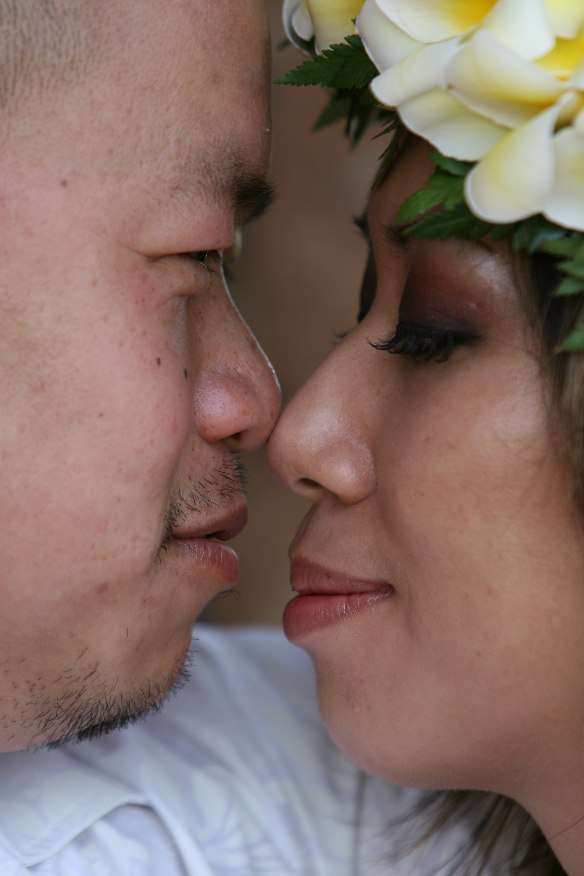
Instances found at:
x=308 y=578
x=227 y=524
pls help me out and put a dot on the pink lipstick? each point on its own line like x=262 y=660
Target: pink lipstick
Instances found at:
x=326 y=597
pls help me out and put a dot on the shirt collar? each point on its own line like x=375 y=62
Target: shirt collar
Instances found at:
x=49 y=797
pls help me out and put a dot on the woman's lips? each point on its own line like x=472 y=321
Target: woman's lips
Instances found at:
x=326 y=597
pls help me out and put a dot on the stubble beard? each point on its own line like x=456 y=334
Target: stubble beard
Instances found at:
x=92 y=704
x=77 y=716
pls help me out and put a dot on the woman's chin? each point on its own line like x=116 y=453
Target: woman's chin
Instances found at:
x=397 y=751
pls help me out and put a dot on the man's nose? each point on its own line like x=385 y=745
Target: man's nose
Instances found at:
x=237 y=396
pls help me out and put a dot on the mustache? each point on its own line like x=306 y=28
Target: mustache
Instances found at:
x=214 y=489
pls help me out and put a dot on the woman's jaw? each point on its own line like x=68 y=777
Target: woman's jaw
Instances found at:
x=440 y=495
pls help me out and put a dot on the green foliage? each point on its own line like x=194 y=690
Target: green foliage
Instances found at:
x=533 y=234
x=392 y=128
x=345 y=69
x=569 y=246
x=357 y=108
x=343 y=66
x=574 y=343
x=442 y=190
x=452 y=166
x=439 y=209
x=456 y=223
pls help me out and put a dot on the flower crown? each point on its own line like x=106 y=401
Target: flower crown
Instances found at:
x=495 y=86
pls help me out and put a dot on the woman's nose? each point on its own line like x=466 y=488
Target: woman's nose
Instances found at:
x=321 y=444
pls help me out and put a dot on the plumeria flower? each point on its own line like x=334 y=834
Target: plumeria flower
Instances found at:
x=496 y=82
x=327 y=21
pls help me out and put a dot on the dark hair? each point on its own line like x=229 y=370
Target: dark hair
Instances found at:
x=555 y=318
x=501 y=837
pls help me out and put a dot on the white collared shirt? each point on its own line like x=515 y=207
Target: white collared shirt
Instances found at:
x=234 y=776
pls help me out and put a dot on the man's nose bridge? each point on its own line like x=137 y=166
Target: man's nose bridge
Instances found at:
x=236 y=392
x=257 y=377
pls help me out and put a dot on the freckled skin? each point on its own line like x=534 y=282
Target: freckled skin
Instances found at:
x=445 y=480
x=104 y=317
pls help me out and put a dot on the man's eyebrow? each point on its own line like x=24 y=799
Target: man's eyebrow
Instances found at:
x=252 y=195
x=228 y=180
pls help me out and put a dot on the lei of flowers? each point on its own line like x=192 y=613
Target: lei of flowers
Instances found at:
x=497 y=88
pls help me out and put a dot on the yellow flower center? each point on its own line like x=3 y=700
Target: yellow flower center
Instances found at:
x=463 y=14
x=564 y=57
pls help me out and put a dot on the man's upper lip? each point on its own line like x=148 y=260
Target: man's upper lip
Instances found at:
x=308 y=578
x=224 y=526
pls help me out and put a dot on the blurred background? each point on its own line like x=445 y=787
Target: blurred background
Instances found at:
x=296 y=284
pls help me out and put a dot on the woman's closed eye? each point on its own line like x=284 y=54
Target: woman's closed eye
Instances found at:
x=424 y=343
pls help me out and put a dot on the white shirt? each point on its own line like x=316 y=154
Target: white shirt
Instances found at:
x=235 y=776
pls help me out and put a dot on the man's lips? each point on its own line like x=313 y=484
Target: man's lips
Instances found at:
x=223 y=527
x=327 y=597
x=201 y=545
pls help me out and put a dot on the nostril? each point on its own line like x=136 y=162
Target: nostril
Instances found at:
x=308 y=483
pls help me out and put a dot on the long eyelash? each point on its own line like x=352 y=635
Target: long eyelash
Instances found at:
x=426 y=344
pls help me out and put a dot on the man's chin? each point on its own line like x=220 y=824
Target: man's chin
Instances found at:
x=106 y=714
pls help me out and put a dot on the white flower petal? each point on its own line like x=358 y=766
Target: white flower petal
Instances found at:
x=297 y=21
x=430 y=22
x=490 y=79
x=422 y=71
x=385 y=43
x=332 y=20
x=302 y=23
x=564 y=58
x=565 y=204
x=516 y=177
x=577 y=80
x=566 y=16
x=449 y=126
x=579 y=123
x=522 y=25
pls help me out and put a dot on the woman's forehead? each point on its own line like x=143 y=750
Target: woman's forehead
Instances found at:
x=408 y=174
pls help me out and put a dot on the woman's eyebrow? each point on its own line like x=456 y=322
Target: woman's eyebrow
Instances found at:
x=396 y=239
x=392 y=234
x=362 y=224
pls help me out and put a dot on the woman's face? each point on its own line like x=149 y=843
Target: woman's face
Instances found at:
x=440 y=569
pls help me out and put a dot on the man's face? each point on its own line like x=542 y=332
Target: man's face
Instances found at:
x=127 y=378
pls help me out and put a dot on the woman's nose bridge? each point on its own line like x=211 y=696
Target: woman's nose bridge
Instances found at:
x=322 y=436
